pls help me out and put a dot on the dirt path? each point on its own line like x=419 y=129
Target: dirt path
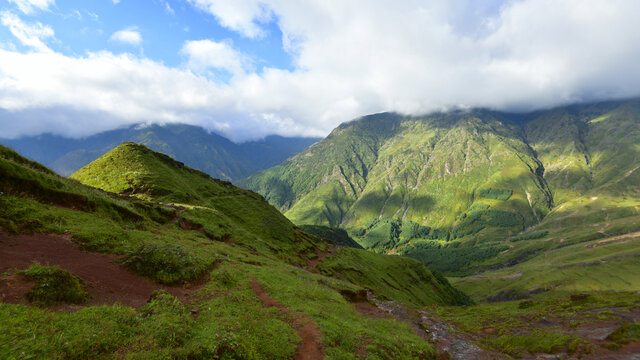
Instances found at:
x=107 y=282
x=310 y=347
x=311 y=264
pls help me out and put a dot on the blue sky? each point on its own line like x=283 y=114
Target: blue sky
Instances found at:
x=251 y=68
x=86 y=26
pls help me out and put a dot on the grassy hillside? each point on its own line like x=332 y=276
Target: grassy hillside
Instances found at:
x=335 y=235
x=193 y=145
x=224 y=241
x=457 y=190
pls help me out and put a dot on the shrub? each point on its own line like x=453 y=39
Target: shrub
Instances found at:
x=412 y=230
x=165 y=263
x=54 y=285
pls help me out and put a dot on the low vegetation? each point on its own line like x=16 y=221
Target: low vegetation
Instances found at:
x=224 y=240
x=54 y=285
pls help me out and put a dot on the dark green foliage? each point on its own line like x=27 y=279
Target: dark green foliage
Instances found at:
x=54 y=285
x=450 y=257
x=384 y=233
x=166 y=263
x=336 y=236
x=440 y=234
x=497 y=194
x=479 y=219
x=412 y=230
x=531 y=236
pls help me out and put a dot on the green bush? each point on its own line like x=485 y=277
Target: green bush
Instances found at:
x=412 y=230
x=54 y=285
x=165 y=263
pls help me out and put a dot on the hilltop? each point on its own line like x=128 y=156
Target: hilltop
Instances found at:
x=207 y=269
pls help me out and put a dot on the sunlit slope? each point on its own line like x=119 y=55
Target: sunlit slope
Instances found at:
x=224 y=211
x=453 y=189
x=426 y=170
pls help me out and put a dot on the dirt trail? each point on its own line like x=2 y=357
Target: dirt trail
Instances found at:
x=311 y=264
x=107 y=282
x=310 y=348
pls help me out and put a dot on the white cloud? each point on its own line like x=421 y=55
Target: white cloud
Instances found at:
x=116 y=2
x=244 y=16
x=208 y=54
x=30 y=6
x=350 y=58
x=30 y=35
x=127 y=36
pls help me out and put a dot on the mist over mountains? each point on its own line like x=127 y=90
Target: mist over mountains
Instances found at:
x=209 y=152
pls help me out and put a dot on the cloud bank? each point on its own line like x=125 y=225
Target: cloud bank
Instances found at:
x=351 y=58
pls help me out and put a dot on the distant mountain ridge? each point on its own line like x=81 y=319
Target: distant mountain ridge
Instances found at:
x=459 y=190
x=209 y=152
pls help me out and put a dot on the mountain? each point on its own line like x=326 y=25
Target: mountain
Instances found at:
x=159 y=260
x=210 y=152
x=469 y=191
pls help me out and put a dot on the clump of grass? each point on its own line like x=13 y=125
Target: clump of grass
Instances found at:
x=167 y=319
x=55 y=285
x=624 y=334
x=165 y=263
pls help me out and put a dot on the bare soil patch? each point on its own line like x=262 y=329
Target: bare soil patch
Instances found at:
x=106 y=281
x=312 y=263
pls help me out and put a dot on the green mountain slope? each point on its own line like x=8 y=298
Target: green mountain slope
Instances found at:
x=453 y=189
x=192 y=145
x=177 y=225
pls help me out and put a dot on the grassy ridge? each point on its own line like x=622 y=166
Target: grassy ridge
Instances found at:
x=469 y=180
x=227 y=235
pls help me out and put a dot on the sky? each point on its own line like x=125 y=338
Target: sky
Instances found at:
x=251 y=68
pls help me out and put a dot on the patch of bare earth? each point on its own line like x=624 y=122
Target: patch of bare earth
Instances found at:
x=106 y=281
x=320 y=255
x=310 y=347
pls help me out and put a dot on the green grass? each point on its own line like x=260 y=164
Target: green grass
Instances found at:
x=226 y=239
x=481 y=178
x=337 y=236
x=627 y=333
x=167 y=263
x=54 y=285
x=391 y=277
x=544 y=324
